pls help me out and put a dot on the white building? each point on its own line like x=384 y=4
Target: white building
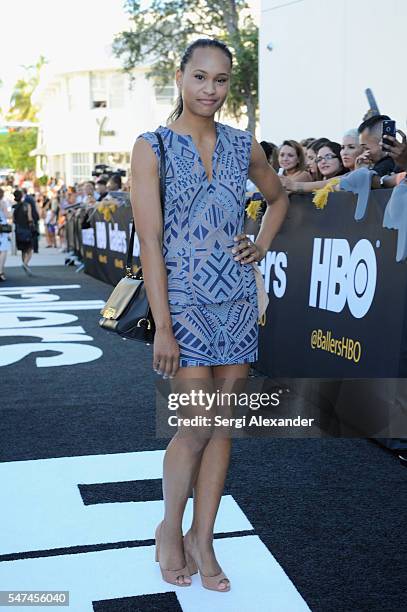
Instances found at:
x=89 y=115
x=317 y=57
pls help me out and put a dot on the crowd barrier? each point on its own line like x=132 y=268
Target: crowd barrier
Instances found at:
x=337 y=299
x=337 y=295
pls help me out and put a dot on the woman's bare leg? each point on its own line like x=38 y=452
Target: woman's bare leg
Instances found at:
x=181 y=465
x=210 y=483
x=3 y=257
x=26 y=255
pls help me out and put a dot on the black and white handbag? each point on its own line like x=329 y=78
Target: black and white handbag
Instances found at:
x=127 y=311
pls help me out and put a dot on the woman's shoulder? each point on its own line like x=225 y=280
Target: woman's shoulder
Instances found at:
x=150 y=136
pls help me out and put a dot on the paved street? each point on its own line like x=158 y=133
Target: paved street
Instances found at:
x=307 y=524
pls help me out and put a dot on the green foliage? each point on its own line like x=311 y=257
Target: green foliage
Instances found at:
x=43 y=180
x=15 y=148
x=21 y=108
x=160 y=34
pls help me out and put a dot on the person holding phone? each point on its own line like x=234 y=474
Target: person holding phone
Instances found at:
x=201 y=287
x=396 y=149
x=373 y=156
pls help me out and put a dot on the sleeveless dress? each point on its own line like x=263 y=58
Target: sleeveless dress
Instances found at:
x=212 y=298
x=4 y=237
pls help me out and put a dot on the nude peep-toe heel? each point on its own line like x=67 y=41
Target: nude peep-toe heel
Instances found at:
x=170 y=575
x=208 y=582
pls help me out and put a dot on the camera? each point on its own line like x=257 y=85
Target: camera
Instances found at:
x=108 y=171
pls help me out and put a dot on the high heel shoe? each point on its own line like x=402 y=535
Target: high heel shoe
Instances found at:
x=170 y=575
x=208 y=582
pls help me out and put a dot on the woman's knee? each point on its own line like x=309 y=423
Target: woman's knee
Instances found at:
x=195 y=442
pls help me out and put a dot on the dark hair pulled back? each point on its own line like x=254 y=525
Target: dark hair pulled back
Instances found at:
x=212 y=43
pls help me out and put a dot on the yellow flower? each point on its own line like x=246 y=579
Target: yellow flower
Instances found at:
x=253 y=209
x=321 y=195
x=107 y=209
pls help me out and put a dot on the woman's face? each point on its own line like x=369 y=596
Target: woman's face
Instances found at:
x=350 y=151
x=204 y=84
x=328 y=163
x=310 y=157
x=88 y=189
x=287 y=157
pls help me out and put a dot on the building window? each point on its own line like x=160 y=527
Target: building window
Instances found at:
x=107 y=90
x=98 y=88
x=116 y=90
x=81 y=167
x=165 y=94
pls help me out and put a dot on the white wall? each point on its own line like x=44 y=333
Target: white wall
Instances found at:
x=76 y=130
x=325 y=54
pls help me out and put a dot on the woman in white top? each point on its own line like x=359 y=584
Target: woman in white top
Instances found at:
x=4 y=237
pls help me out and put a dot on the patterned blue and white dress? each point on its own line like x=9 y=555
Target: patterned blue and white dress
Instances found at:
x=4 y=238
x=212 y=297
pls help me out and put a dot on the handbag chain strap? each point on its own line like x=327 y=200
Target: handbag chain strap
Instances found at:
x=162 y=201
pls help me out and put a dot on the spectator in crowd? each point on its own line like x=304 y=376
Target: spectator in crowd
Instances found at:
x=396 y=150
x=89 y=193
x=114 y=183
x=306 y=142
x=101 y=188
x=291 y=159
x=350 y=149
x=329 y=165
x=370 y=138
x=329 y=160
x=310 y=157
x=271 y=151
x=23 y=219
x=30 y=200
x=311 y=164
x=4 y=237
x=50 y=223
x=28 y=197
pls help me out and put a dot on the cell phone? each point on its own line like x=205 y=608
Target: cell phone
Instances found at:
x=389 y=128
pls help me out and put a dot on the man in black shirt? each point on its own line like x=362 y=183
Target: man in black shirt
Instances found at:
x=370 y=137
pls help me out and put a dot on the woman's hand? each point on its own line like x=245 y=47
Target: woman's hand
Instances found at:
x=166 y=353
x=288 y=183
x=247 y=251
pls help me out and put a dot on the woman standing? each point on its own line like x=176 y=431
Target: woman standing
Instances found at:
x=4 y=237
x=24 y=224
x=200 y=282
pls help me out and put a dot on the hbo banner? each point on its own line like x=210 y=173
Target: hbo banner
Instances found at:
x=337 y=295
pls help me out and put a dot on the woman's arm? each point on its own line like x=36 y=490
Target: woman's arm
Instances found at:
x=146 y=207
x=268 y=183
x=301 y=187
